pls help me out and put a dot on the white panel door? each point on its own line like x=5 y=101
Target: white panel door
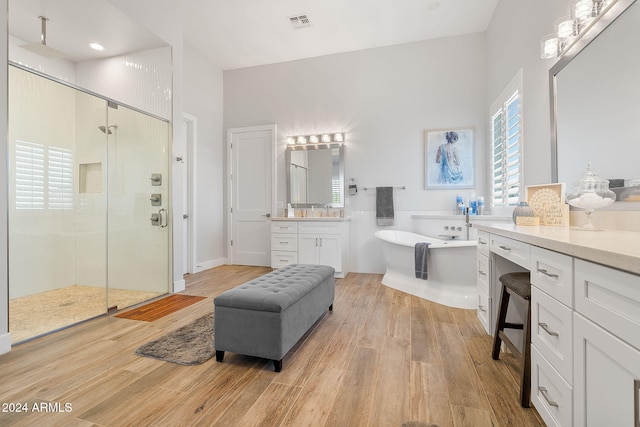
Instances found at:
x=251 y=164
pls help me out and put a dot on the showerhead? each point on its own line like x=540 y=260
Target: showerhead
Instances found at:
x=41 y=48
x=107 y=130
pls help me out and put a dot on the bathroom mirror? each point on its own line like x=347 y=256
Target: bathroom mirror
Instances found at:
x=595 y=103
x=315 y=175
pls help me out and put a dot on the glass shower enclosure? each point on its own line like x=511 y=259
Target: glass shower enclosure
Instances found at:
x=89 y=226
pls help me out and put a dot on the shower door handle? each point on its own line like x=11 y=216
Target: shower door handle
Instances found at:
x=164 y=219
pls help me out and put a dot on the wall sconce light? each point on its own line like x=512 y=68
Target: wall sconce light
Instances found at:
x=569 y=28
x=325 y=138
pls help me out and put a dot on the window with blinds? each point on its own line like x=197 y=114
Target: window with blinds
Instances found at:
x=506 y=149
x=43 y=176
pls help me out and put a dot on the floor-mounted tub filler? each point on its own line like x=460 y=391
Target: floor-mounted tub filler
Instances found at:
x=451 y=268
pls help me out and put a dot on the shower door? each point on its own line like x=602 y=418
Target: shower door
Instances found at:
x=138 y=266
x=86 y=177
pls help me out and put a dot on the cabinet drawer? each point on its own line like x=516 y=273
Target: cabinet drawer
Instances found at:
x=551 y=332
x=553 y=273
x=514 y=251
x=484 y=310
x=284 y=227
x=284 y=242
x=280 y=259
x=483 y=272
x=610 y=298
x=550 y=394
x=483 y=243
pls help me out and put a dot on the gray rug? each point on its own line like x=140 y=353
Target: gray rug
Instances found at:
x=192 y=344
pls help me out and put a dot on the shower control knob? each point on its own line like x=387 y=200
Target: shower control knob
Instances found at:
x=185 y=216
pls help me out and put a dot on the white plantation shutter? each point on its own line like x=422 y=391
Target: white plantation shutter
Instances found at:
x=506 y=149
x=29 y=170
x=43 y=178
x=60 y=176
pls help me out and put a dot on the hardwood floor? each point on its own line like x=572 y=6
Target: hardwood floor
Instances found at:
x=381 y=358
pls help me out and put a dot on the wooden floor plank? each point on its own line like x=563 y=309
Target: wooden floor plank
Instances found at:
x=380 y=358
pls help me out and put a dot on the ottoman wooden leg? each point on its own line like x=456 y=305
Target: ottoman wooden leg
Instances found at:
x=219 y=355
x=277 y=365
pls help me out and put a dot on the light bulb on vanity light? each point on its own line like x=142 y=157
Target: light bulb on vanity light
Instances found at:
x=325 y=137
x=291 y=140
x=313 y=139
x=302 y=140
x=549 y=47
x=338 y=137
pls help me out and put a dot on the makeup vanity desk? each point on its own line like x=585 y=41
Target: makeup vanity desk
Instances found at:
x=585 y=317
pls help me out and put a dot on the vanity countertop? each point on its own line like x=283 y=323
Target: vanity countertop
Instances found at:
x=315 y=218
x=617 y=249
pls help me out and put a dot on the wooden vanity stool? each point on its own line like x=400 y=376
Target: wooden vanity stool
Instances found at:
x=517 y=285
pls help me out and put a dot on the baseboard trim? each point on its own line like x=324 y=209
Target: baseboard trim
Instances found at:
x=206 y=265
x=179 y=285
x=5 y=343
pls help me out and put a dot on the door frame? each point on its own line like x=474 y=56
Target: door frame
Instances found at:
x=191 y=239
x=274 y=143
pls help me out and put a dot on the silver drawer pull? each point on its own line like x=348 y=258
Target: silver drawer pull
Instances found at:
x=504 y=248
x=482 y=273
x=284 y=243
x=546 y=273
x=482 y=242
x=547 y=330
x=543 y=391
x=482 y=308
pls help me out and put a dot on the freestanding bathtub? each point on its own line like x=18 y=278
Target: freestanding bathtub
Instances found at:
x=451 y=268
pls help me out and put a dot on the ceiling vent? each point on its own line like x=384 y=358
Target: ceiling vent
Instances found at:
x=300 y=21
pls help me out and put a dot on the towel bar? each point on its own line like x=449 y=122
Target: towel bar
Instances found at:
x=373 y=188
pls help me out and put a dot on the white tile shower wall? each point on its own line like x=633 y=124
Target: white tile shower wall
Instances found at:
x=42 y=255
x=140 y=79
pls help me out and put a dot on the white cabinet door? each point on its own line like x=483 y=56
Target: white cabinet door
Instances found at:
x=606 y=378
x=329 y=251
x=308 y=249
x=322 y=249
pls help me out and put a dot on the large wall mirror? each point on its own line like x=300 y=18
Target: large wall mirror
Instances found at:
x=315 y=176
x=595 y=103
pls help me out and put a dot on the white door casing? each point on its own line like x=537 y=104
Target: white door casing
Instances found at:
x=188 y=164
x=251 y=197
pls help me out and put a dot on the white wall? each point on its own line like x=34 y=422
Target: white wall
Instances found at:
x=384 y=99
x=513 y=42
x=203 y=100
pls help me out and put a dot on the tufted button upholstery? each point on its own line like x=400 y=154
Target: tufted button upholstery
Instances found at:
x=277 y=290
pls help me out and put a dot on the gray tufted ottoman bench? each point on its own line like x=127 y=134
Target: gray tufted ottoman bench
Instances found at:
x=266 y=317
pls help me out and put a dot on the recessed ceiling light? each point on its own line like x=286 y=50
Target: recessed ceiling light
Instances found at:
x=433 y=5
x=96 y=46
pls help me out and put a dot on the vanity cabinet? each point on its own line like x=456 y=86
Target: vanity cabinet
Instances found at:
x=284 y=243
x=585 y=321
x=311 y=242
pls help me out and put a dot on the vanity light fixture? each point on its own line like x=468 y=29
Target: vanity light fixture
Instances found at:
x=583 y=14
x=337 y=138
